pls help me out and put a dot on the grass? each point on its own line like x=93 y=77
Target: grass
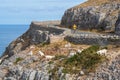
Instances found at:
x=39 y=46
x=50 y=62
x=18 y=60
x=51 y=49
x=44 y=43
x=57 y=57
x=94 y=3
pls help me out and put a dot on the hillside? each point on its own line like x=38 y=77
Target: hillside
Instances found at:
x=50 y=51
x=44 y=52
x=102 y=15
x=95 y=3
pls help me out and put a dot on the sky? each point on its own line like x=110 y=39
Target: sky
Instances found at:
x=25 y=11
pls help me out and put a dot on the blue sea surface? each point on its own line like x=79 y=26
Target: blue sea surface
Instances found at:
x=8 y=33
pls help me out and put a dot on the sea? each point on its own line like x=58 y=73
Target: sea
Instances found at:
x=8 y=33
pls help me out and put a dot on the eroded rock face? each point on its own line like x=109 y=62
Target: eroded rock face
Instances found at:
x=23 y=70
x=32 y=36
x=13 y=48
x=38 y=36
x=117 y=28
x=103 y=16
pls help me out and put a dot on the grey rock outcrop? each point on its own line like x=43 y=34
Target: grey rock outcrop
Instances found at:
x=101 y=17
x=107 y=71
x=13 y=48
x=29 y=38
x=38 y=36
x=117 y=28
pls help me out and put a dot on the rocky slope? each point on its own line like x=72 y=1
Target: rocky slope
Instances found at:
x=38 y=33
x=34 y=68
x=19 y=63
x=94 y=14
x=39 y=53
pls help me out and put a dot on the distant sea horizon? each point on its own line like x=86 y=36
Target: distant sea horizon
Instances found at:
x=10 y=32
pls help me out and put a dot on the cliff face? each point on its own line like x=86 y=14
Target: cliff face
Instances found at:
x=37 y=33
x=94 y=14
x=30 y=57
x=32 y=36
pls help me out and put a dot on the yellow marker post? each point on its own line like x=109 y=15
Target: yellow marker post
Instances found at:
x=74 y=28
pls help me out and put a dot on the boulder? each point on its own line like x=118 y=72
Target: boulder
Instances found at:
x=49 y=57
x=41 y=53
x=30 y=53
x=34 y=37
x=32 y=75
x=72 y=53
x=79 y=50
x=68 y=45
x=82 y=73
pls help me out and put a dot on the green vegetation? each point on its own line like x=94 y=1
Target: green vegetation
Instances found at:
x=50 y=62
x=54 y=72
x=18 y=60
x=87 y=60
x=57 y=57
x=42 y=44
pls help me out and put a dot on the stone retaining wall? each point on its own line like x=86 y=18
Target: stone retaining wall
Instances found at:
x=92 y=40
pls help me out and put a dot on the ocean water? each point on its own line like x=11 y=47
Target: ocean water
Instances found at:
x=9 y=33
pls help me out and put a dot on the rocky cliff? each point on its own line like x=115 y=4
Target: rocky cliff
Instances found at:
x=39 y=32
x=94 y=14
x=42 y=52
x=32 y=56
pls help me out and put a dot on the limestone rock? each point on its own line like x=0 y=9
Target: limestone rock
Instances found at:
x=72 y=53
x=117 y=28
x=38 y=36
x=101 y=17
x=41 y=53
x=32 y=75
x=13 y=48
x=30 y=53
x=82 y=73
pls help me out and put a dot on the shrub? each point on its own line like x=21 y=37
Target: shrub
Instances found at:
x=18 y=60
x=88 y=59
x=50 y=62
x=42 y=44
x=57 y=57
